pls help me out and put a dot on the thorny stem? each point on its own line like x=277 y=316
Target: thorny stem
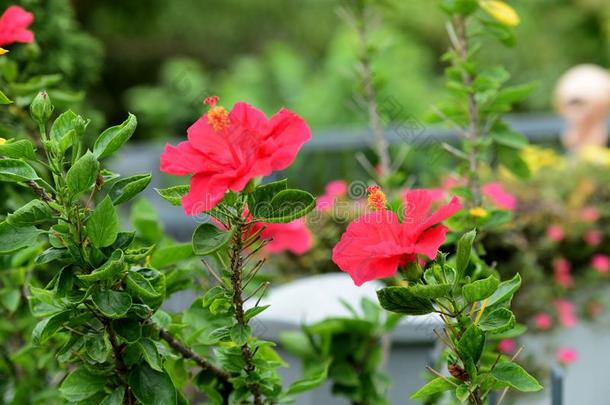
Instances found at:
x=473 y=132
x=238 y=302
x=188 y=353
x=381 y=143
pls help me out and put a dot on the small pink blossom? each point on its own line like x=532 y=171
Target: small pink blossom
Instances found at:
x=499 y=197
x=335 y=189
x=567 y=355
x=565 y=310
x=601 y=263
x=293 y=236
x=555 y=233
x=543 y=321
x=14 y=24
x=507 y=346
x=563 y=272
x=593 y=237
x=589 y=214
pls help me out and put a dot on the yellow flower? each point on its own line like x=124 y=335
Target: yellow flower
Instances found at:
x=478 y=212
x=3 y=51
x=595 y=155
x=501 y=12
x=537 y=158
x=2 y=141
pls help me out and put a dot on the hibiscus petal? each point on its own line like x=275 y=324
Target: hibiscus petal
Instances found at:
x=183 y=159
x=294 y=236
x=430 y=241
x=416 y=206
x=368 y=249
x=207 y=190
x=13 y=26
x=213 y=145
x=441 y=214
x=286 y=134
x=246 y=116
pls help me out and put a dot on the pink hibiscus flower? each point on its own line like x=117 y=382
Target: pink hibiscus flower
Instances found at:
x=601 y=263
x=507 y=346
x=555 y=233
x=293 y=236
x=589 y=214
x=567 y=355
x=377 y=243
x=499 y=197
x=543 y=321
x=593 y=237
x=563 y=272
x=14 y=25
x=565 y=310
x=225 y=150
x=335 y=189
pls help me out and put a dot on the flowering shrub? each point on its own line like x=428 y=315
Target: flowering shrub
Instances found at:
x=101 y=308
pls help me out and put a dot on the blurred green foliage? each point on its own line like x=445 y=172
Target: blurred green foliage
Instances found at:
x=301 y=55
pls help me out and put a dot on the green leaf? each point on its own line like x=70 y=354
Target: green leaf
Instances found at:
x=13 y=238
x=172 y=254
x=97 y=347
x=432 y=387
x=515 y=94
x=83 y=174
x=240 y=334
x=146 y=221
x=511 y=139
x=286 y=206
x=62 y=125
x=505 y=291
x=128 y=328
x=313 y=376
x=480 y=289
x=103 y=224
x=261 y=198
x=115 y=397
x=33 y=213
x=173 y=194
x=4 y=99
x=81 y=384
x=152 y=387
x=151 y=354
x=511 y=159
x=462 y=393
x=16 y=170
x=21 y=149
x=112 y=138
x=66 y=128
x=140 y=286
x=127 y=188
x=208 y=238
x=464 y=248
x=516 y=377
x=430 y=291
x=252 y=312
x=48 y=327
x=497 y=321
x=471 y=343
x=111 y=270
x=403 y=301
x=112 y=304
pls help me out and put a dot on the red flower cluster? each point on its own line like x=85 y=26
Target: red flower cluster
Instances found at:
x=377 y=243
x=225 y=150
x=14 y=24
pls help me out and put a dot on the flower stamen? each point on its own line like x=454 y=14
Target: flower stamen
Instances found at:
x=376 y=199
x=218 y=116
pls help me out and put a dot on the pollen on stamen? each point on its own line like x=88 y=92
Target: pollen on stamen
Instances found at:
x=218 y=116
x=376 y=199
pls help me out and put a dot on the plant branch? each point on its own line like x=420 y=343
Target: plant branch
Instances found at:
x=188 y=353
x=238 y=304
